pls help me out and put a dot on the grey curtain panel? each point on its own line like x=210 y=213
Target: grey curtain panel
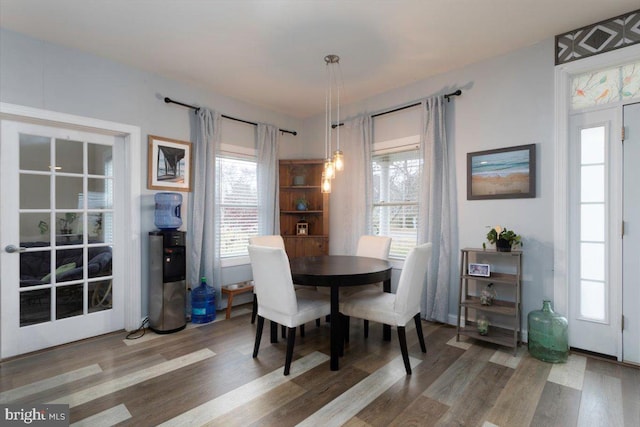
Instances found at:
x=202 y=237
x=351 y=189
x=435 y=209
x=268 y=179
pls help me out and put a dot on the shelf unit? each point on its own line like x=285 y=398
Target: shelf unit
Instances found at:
x=507 y=313
x=316 y=241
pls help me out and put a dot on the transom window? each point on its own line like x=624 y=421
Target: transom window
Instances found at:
x=606 y=86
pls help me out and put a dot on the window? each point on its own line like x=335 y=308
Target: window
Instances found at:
x=592 y=208
x=238 y=205
x=621 y=83
x=396 y=178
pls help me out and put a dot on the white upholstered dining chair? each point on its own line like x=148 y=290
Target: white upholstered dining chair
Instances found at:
x=279 y=302
x=272 y=241
x=399 y=308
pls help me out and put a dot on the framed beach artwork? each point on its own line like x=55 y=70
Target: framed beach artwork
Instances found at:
x=169 y=164
x=503 y=173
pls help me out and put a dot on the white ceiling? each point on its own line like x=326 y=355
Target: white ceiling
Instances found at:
x=271 y=52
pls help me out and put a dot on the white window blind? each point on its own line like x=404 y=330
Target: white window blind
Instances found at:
x=238 y=205
x=395 y=199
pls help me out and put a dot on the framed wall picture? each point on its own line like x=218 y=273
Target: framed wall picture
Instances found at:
x=483 y=270
x=169 y=164
x=503 y=173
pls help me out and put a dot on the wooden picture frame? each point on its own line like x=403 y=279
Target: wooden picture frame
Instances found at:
x=169 y=164
x=503 y=173
x=482 y=270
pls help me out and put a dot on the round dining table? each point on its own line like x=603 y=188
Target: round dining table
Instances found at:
x=339 y=271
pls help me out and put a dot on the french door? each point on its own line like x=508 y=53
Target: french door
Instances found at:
x=58 y=206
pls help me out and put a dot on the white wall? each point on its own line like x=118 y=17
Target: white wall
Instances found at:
x=506 y=101
x=43 y=75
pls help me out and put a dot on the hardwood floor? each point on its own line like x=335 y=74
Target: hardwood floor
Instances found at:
x=205 y=375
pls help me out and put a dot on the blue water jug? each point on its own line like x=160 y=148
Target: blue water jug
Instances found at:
x=203 y=303
x=167 y=216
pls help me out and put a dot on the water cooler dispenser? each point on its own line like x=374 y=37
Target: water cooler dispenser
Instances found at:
x=167 y=285
x=167 y=267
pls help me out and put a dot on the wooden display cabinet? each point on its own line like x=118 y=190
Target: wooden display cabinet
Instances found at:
x=300 y=179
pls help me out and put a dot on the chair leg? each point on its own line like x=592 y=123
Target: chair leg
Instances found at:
x=274 y=331
x=302 y=331
x=256 y=346
x=284 y=331
x=317 y=323
x=290 y=341
x=416 y=318
x=254 y=309
x=402 y=338
x=366 y=328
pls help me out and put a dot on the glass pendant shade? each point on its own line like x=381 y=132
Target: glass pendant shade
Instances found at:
x=338 y=160
x=326 y=183
x=329 y=169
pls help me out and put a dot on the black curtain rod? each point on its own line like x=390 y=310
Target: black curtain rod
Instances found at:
x=193 y=107
x=447 y=96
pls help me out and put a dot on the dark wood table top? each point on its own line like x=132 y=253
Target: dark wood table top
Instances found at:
x=340 y=270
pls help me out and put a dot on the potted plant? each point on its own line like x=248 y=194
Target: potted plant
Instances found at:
x=302 y=204
x=504 y=239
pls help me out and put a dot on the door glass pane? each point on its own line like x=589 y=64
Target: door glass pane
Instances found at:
x=35 y=306
x=99 y=158
x=592 y=261
x=99 y=261
x=68 y=191
x=34 y=227
x=68 y=156
x=69 y=228
x=592 y=183
x=35 y=267
x=592 y=300
x=592 y=145
x=104 y=233
x=35 y=153
x=100 y=297
x=69 y=264
x=100 y=195
x=34 y=191
x=592 y=222
x=69 y=301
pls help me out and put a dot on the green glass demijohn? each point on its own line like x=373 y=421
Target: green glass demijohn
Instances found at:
x=548 y=335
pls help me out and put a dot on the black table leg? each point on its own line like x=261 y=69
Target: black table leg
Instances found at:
x=386 y=329
x=336 y=336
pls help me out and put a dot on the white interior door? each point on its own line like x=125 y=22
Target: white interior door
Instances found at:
x=595 y=246
x=57 y=227
x=631 y=239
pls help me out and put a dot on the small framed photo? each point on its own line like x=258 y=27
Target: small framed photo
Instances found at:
x=302 y=228
x=169 y=164
x=483 y=270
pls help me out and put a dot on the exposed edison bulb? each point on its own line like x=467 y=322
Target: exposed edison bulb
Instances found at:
x=329 y=169
x=338 y=160
x=325 y=184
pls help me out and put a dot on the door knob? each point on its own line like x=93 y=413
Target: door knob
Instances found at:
x=13 y=248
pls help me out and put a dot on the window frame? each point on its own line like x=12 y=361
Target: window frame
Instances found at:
x=235 y=152
x=394 y=146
